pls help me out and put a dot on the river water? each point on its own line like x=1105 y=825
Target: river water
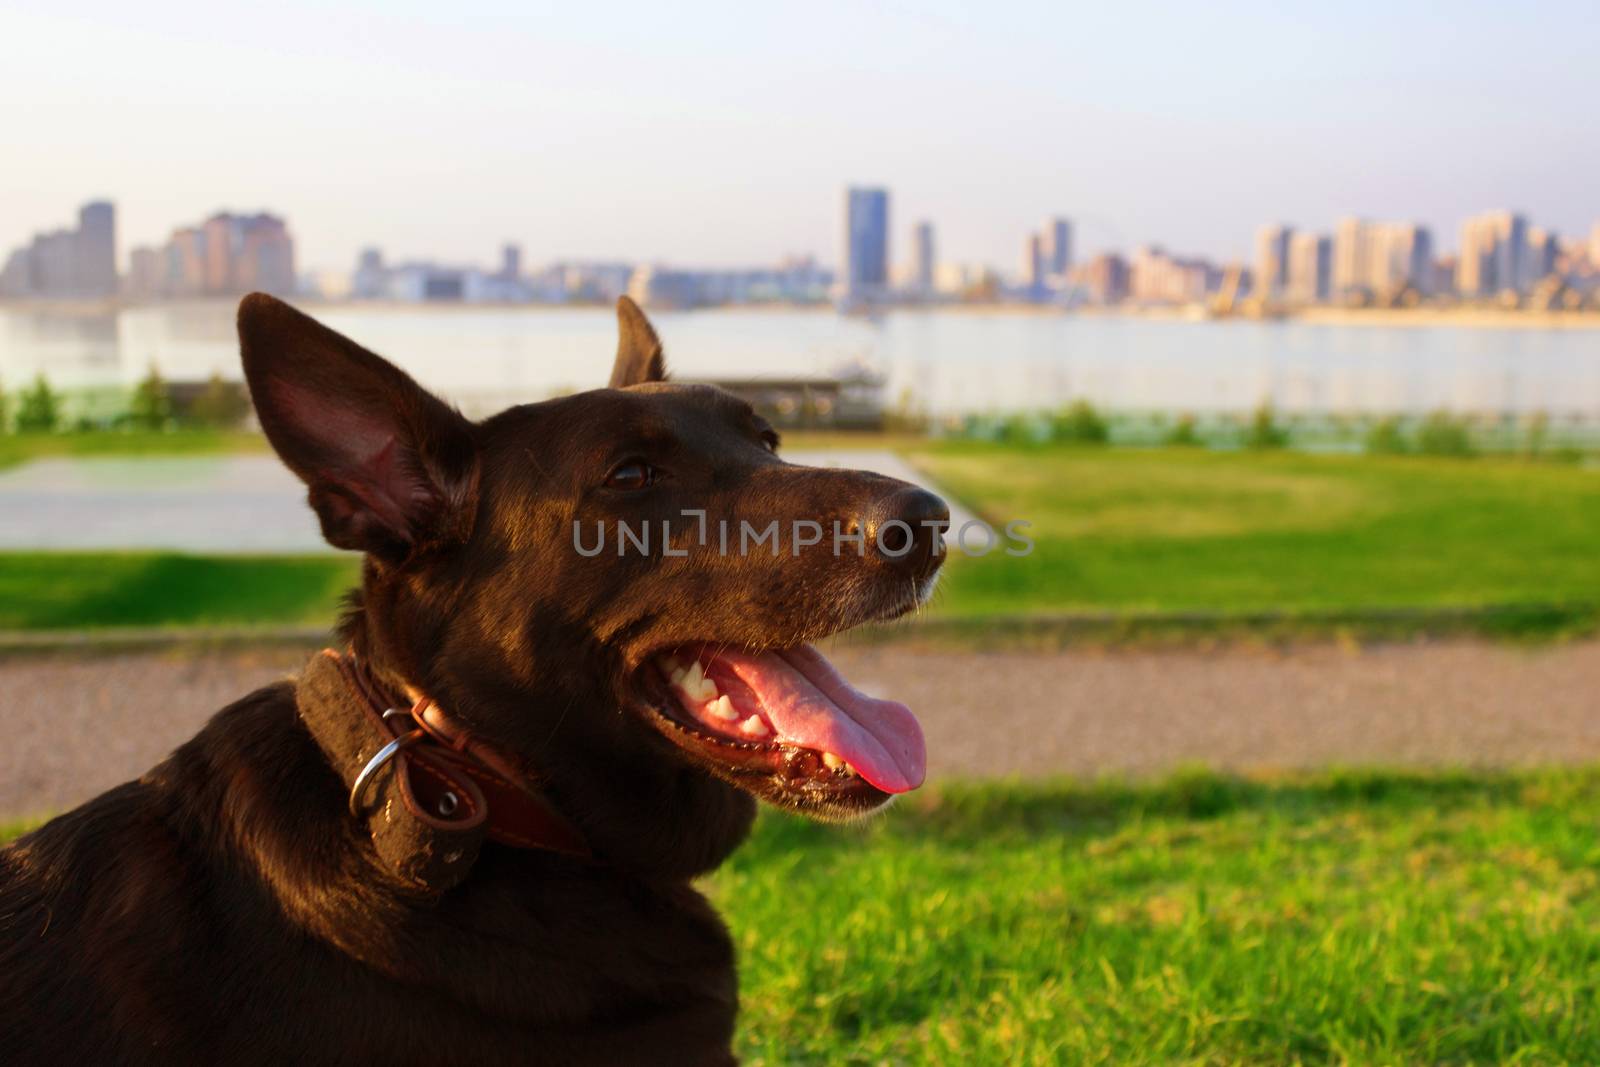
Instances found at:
x=942 y=362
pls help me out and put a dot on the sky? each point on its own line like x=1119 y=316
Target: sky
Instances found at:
x=720 y=134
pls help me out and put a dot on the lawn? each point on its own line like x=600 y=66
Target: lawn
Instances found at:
x=1341 y=918
x=1185 y=530
x=48 y=591
x=19 y=447
x=1124 y=533
x=1359 y=918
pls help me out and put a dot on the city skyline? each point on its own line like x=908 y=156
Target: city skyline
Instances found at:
x=1502 y=254
x=698 y=137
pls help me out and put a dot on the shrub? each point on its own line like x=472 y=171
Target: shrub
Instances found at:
x=1385 y=438
x=1538 y=433
x=221 y=404
x=1183 y=433
x=1264 y=430
x=1444 y=435
x=38 y=408
x=151 y=406
x=1080 y=423
x=1025 y=430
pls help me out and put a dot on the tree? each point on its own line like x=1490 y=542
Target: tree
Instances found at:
x=1385 y=437
x=1080 y=423
x=1538 y=433
x=1265 y=431
x=1443 y=435
x=1184 y=433
x=5 y=407
x=38 y=408
x=222 y=405
x=151 y=406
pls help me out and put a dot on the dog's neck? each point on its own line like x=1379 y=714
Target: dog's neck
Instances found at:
x=641 y=810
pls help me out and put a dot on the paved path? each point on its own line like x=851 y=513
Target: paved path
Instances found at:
x=225 y=503
x=76 y=726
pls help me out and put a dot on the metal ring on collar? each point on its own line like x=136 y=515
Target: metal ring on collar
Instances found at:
x=385 y=754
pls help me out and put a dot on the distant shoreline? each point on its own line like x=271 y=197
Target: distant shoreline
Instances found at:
x=1455 y=317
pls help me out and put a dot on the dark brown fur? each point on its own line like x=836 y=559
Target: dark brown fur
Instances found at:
x=226 y=908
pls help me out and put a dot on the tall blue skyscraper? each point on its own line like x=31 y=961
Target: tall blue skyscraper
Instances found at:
x=866 y=243
x=1057 y=246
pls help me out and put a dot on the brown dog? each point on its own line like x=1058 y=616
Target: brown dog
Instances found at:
x=469 y=838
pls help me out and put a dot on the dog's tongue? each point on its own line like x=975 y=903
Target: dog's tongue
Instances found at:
x=811 y=705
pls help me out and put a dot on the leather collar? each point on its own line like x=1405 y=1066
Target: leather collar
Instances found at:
x=430 y=806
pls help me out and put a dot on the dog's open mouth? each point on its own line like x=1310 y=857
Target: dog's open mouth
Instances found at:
x=787 y=717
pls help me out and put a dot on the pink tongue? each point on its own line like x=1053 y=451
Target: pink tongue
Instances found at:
x=810 y=705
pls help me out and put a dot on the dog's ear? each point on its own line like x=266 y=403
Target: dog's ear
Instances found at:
x=639 y=357
x=390 y=467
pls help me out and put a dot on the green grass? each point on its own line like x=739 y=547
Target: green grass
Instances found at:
x=1156 y=541
x=18 y=448
x=1181 y=530
x=1341 y=918
x=16 y=828
x=1346 y=918
x=45 y=591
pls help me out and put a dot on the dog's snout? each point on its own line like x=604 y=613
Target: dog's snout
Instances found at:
x=909 y=530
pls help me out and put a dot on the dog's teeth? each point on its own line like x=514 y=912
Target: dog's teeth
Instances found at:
x=677 y=675
x=754 y=727
x=722 y=708
x=833 y=762
x=670 y=666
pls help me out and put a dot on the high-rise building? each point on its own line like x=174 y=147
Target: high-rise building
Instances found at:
x=1154 y=276
x=1106 y=278
x=1399 y=257
x=80 y=262
x=1033 y=265
x=1543 y=248
x=266 y=256
x=866 y=244
x=511 y=262
x=1494 y=255
x=96 y=266
x=55 y=263
x=1381 y=259
x=1310 y=278
x=146 y=273
x=1057 y=246
x=245 y=253
x=1272 y=260
x=1350 y=241
x=924 y=257
x=186 y=262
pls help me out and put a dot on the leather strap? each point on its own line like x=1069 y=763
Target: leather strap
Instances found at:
x=431 y=806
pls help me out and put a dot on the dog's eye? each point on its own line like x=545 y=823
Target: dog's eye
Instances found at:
x=770 y=439
x=633 y=474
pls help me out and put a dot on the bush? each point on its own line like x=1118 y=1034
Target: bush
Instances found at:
x=1385 y=438
x=1538 y=433
x=1183 y=433
x=1080 y=423
x=1025 y=430
x=38 y=408
x=151 y=406
x=1264 y=430
x=1444 y=435
x=222 y=405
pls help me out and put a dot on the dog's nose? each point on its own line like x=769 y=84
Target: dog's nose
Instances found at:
x=909 y=531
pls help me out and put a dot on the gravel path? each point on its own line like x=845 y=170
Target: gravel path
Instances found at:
x=79 y=725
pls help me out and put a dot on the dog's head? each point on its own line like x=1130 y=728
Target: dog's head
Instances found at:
x=621 y=586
